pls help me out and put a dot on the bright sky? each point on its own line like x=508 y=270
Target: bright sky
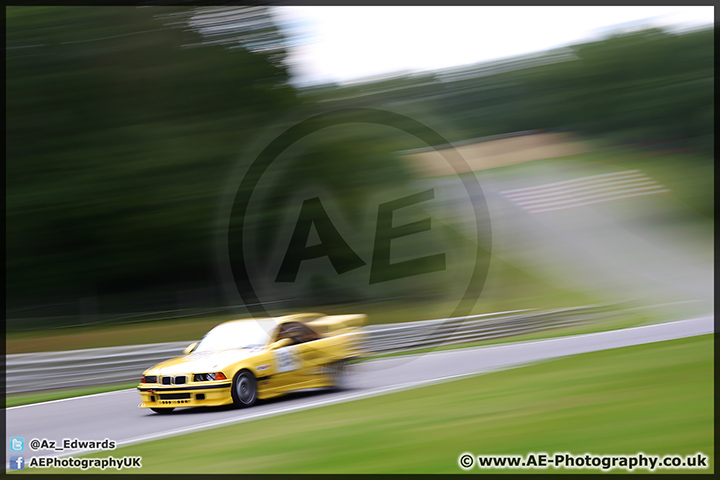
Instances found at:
x=341 y=43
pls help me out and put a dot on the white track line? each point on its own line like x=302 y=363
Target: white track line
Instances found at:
x=584 y=191
x=607 y=187
x=578 y=180
x=593 y=202
x=586 y=197
x=578 y=185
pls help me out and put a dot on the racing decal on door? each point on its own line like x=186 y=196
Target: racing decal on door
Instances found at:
x=286 y=360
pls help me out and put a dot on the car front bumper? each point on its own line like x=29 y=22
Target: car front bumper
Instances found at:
x=207 y=395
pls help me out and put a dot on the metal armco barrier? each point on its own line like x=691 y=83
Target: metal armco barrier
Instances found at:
x=29 y=372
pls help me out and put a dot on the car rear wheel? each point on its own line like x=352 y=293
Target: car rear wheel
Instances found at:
x=339 y=374
x=162 y=411
x=244 y=392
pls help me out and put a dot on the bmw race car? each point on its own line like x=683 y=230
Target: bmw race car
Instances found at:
x=240 y=361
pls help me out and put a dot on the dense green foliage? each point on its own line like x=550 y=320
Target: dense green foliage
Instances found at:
x=118 y=139
x=124 y=125
x=641 y=86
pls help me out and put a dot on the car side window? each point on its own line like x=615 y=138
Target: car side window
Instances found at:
x=297 y=332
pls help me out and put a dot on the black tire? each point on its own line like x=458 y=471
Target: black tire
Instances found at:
x=339 y=374
x=163 y=411
x=244 y=389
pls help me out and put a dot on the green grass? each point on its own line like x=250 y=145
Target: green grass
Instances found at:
x=655 y=398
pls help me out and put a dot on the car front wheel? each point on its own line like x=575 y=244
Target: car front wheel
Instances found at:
x=244 y=392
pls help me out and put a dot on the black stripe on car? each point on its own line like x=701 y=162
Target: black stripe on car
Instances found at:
x=200 y=387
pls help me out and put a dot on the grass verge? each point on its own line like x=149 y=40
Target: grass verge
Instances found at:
x=655 y=398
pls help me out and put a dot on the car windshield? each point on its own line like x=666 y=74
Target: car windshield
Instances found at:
x=251 y=333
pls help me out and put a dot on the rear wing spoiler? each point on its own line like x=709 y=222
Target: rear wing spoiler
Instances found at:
x=337 y=322
x=325 y=324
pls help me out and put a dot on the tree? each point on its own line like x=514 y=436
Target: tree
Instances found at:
x=122 y=123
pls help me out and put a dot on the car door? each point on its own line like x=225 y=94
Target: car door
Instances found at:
x=288 y=360
x=302 y=360
x=311 y=347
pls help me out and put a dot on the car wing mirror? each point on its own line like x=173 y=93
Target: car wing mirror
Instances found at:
x=280 y=343
x=190 y=348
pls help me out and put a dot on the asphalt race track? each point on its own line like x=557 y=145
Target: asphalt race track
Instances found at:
x=115 y=415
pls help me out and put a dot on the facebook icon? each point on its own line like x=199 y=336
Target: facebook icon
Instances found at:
x=17 y=462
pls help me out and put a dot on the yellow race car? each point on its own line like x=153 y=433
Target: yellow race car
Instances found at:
x=240 y=361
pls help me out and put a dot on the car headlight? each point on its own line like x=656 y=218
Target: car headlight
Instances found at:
x=209 y=377
x=148 y=379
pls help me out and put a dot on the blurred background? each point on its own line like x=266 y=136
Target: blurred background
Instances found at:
x=128 y=130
